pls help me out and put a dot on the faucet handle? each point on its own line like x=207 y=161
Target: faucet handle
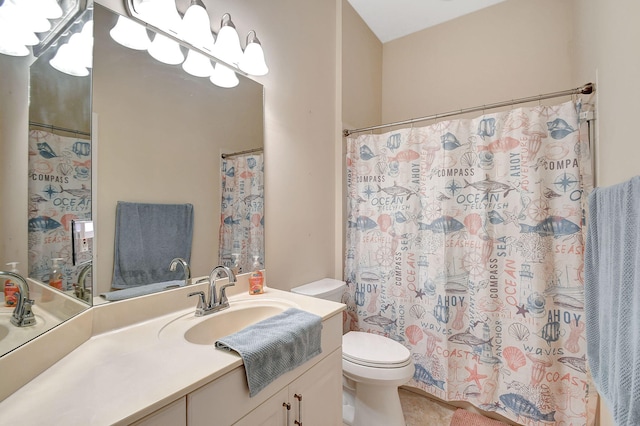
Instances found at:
x=202 y=302
x=223 y=293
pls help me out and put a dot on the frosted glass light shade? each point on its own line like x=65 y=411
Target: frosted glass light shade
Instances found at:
x=166 y=50
x=224 y=76
x=82 y=48
x=50 y=9
x=161 y=14
x=252 y=61
x=28 y=16
x=8 y=43
x=196 y=27
x=130 y=34
x=197 y=64
x=66 y=60
x=14 y=36
x=227 y=46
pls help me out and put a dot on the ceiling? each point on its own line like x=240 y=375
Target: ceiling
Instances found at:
x=391 y=19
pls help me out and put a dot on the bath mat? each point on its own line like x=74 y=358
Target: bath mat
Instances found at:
x=466 y=418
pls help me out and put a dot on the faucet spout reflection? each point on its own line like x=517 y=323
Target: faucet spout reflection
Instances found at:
x=216 y=303
x=22 y=314
x=81 y=291
x=185 y=268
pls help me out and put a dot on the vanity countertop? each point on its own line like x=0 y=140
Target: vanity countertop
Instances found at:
x=121 y=375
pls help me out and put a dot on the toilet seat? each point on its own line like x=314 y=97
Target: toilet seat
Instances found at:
x=372 y=350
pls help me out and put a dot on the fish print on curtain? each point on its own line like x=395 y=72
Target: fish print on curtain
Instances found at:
x=242 y=212
x=465 y=243
x=59 y=192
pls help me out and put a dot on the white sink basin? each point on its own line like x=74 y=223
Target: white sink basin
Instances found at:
x=11 y=336
x=207 y=329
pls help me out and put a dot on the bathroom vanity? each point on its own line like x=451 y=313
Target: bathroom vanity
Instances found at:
x=153 y=369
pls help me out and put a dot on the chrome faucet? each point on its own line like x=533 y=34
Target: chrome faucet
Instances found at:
x=81 y=291
x=216 y=303
x=185 y=268
x=22 y=315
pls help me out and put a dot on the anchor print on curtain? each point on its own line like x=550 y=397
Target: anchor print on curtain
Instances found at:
x=465 y=244
x=241 y=232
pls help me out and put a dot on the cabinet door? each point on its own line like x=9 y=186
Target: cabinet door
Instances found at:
x=272 y=412
x=174 y=414
x=316 y=396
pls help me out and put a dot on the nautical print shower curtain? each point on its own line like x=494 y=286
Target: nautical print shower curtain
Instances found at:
x=242 y=211
x=465 y=243
x=59 y=192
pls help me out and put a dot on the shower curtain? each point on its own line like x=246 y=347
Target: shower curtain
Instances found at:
x=59 y=192
x=241 y=233
x=465 y=244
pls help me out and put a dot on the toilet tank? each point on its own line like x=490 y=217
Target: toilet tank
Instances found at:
x=327 y=288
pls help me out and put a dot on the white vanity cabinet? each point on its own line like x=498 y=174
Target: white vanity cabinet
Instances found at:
x=313 y=399
x=174 y=414
x=226 y=401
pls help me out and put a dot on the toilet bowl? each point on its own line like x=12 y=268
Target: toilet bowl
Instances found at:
x=373 y=367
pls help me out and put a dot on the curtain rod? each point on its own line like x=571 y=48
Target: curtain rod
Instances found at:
x=582 y=90
x=60 y=129
x=235 y=154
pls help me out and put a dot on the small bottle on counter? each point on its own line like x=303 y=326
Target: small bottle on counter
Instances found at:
x=256 y=278
x=10 y=288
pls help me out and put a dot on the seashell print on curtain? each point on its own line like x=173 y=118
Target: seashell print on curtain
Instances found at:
x=59 y=192
x=241 y=232
x=465 y=244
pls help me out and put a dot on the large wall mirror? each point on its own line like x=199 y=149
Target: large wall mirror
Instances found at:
x=148 y=132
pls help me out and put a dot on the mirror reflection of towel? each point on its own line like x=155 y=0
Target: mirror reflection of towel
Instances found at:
x=147 y=238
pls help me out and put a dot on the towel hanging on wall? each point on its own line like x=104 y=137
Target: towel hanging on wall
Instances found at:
x=612 y=297
x=147 y=237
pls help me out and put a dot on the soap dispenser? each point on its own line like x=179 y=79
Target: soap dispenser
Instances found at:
x=10 y=288
x=256 y=278
x=55 y=276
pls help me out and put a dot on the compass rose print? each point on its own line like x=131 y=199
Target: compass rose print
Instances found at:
x=565 y=182
x=453 y=187
x=50 y=191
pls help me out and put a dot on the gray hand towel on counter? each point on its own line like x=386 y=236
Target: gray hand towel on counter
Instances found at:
x=147 y=238
x=128 y=293
x=276 y=345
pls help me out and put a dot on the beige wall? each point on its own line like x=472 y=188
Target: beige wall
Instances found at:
x=14 y=113
x=514 y=49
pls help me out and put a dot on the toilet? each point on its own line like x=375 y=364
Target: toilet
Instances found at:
x=373 y=367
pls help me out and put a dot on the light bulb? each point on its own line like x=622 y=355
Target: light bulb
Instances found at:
x=224 y=76
x=252 y=61
x=166 y=50
x=130 y=34
x=197 y=64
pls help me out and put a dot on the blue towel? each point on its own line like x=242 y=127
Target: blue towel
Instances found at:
x=612 y=297
x=141 y=290
x=148 y=237
x=275 y=346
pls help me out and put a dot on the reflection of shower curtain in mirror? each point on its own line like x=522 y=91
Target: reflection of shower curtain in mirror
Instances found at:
x=242 y=210
x=465 y=244
x=59 y=192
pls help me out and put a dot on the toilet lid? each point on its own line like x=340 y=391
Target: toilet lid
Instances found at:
x=372 y=350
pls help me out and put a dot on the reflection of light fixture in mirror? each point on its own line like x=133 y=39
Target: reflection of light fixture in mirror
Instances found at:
x=163 y=49
x=15 y=36
x=224 y=76
x=67 y=60
x=130 y=34
x=197 y=64
x=252 y=61
x=227 y=45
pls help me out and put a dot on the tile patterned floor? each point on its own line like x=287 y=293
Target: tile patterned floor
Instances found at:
x=422 y=411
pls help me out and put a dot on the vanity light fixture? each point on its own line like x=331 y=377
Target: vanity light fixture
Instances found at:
x=252 y=61
x=76 y=55
x=194 y=33
x=227 y=45
x=197 y=32
x=16 y=29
